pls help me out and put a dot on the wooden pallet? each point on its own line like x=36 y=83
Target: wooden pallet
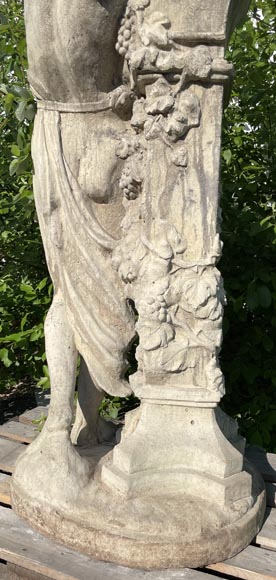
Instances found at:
x=27 y=554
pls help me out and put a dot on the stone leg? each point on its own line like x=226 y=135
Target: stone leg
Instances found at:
x=62 y=361
x=84 y=431
x=89 y=428
x=51 y=457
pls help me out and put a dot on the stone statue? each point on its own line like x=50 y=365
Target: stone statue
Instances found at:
x=126 y=152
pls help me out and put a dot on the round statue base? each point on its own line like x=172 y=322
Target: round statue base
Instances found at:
x=152 y=531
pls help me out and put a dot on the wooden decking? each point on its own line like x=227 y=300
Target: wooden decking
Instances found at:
x=27 y=554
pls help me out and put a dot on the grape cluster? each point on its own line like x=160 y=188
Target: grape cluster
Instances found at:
x=131 y=187
x=128 y=26
x=155 y=308
x=126 y=33
x=122 y=260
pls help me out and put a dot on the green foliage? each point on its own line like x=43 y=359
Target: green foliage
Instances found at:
x=114 y=408
x=249 y=226
x=249 y=229
x=24 y=285
x=40 y=422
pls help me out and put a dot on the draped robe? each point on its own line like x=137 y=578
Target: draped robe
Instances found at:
x=72 y=71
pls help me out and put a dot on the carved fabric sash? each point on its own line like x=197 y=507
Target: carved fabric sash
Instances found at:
x=103 y=104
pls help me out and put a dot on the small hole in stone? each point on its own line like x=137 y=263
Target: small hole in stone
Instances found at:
x=192 y=422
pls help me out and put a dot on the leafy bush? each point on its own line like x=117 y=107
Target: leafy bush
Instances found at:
x=249 y=228
x=25 y=289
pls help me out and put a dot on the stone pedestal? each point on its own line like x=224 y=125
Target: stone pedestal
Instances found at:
x=130 y=216
x=181 y=449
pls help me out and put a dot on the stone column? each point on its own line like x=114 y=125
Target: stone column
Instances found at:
x=169 y=249
x=179 y=441
x=176 y=491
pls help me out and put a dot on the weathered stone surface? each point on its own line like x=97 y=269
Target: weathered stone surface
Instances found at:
x=126 y=151
x=161 y=530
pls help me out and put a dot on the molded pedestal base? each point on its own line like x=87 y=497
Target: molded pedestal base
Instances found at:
x=154 y=531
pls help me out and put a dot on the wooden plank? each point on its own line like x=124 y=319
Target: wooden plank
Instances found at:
x=23 y=547
x=267 y=536
x=270 y=494
x=9 y=452
x=6 y=574
x=5 y=493
x=33 y=415
x=252 y=564
x=23 y=573
x=265 y=462
x=18 y=431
